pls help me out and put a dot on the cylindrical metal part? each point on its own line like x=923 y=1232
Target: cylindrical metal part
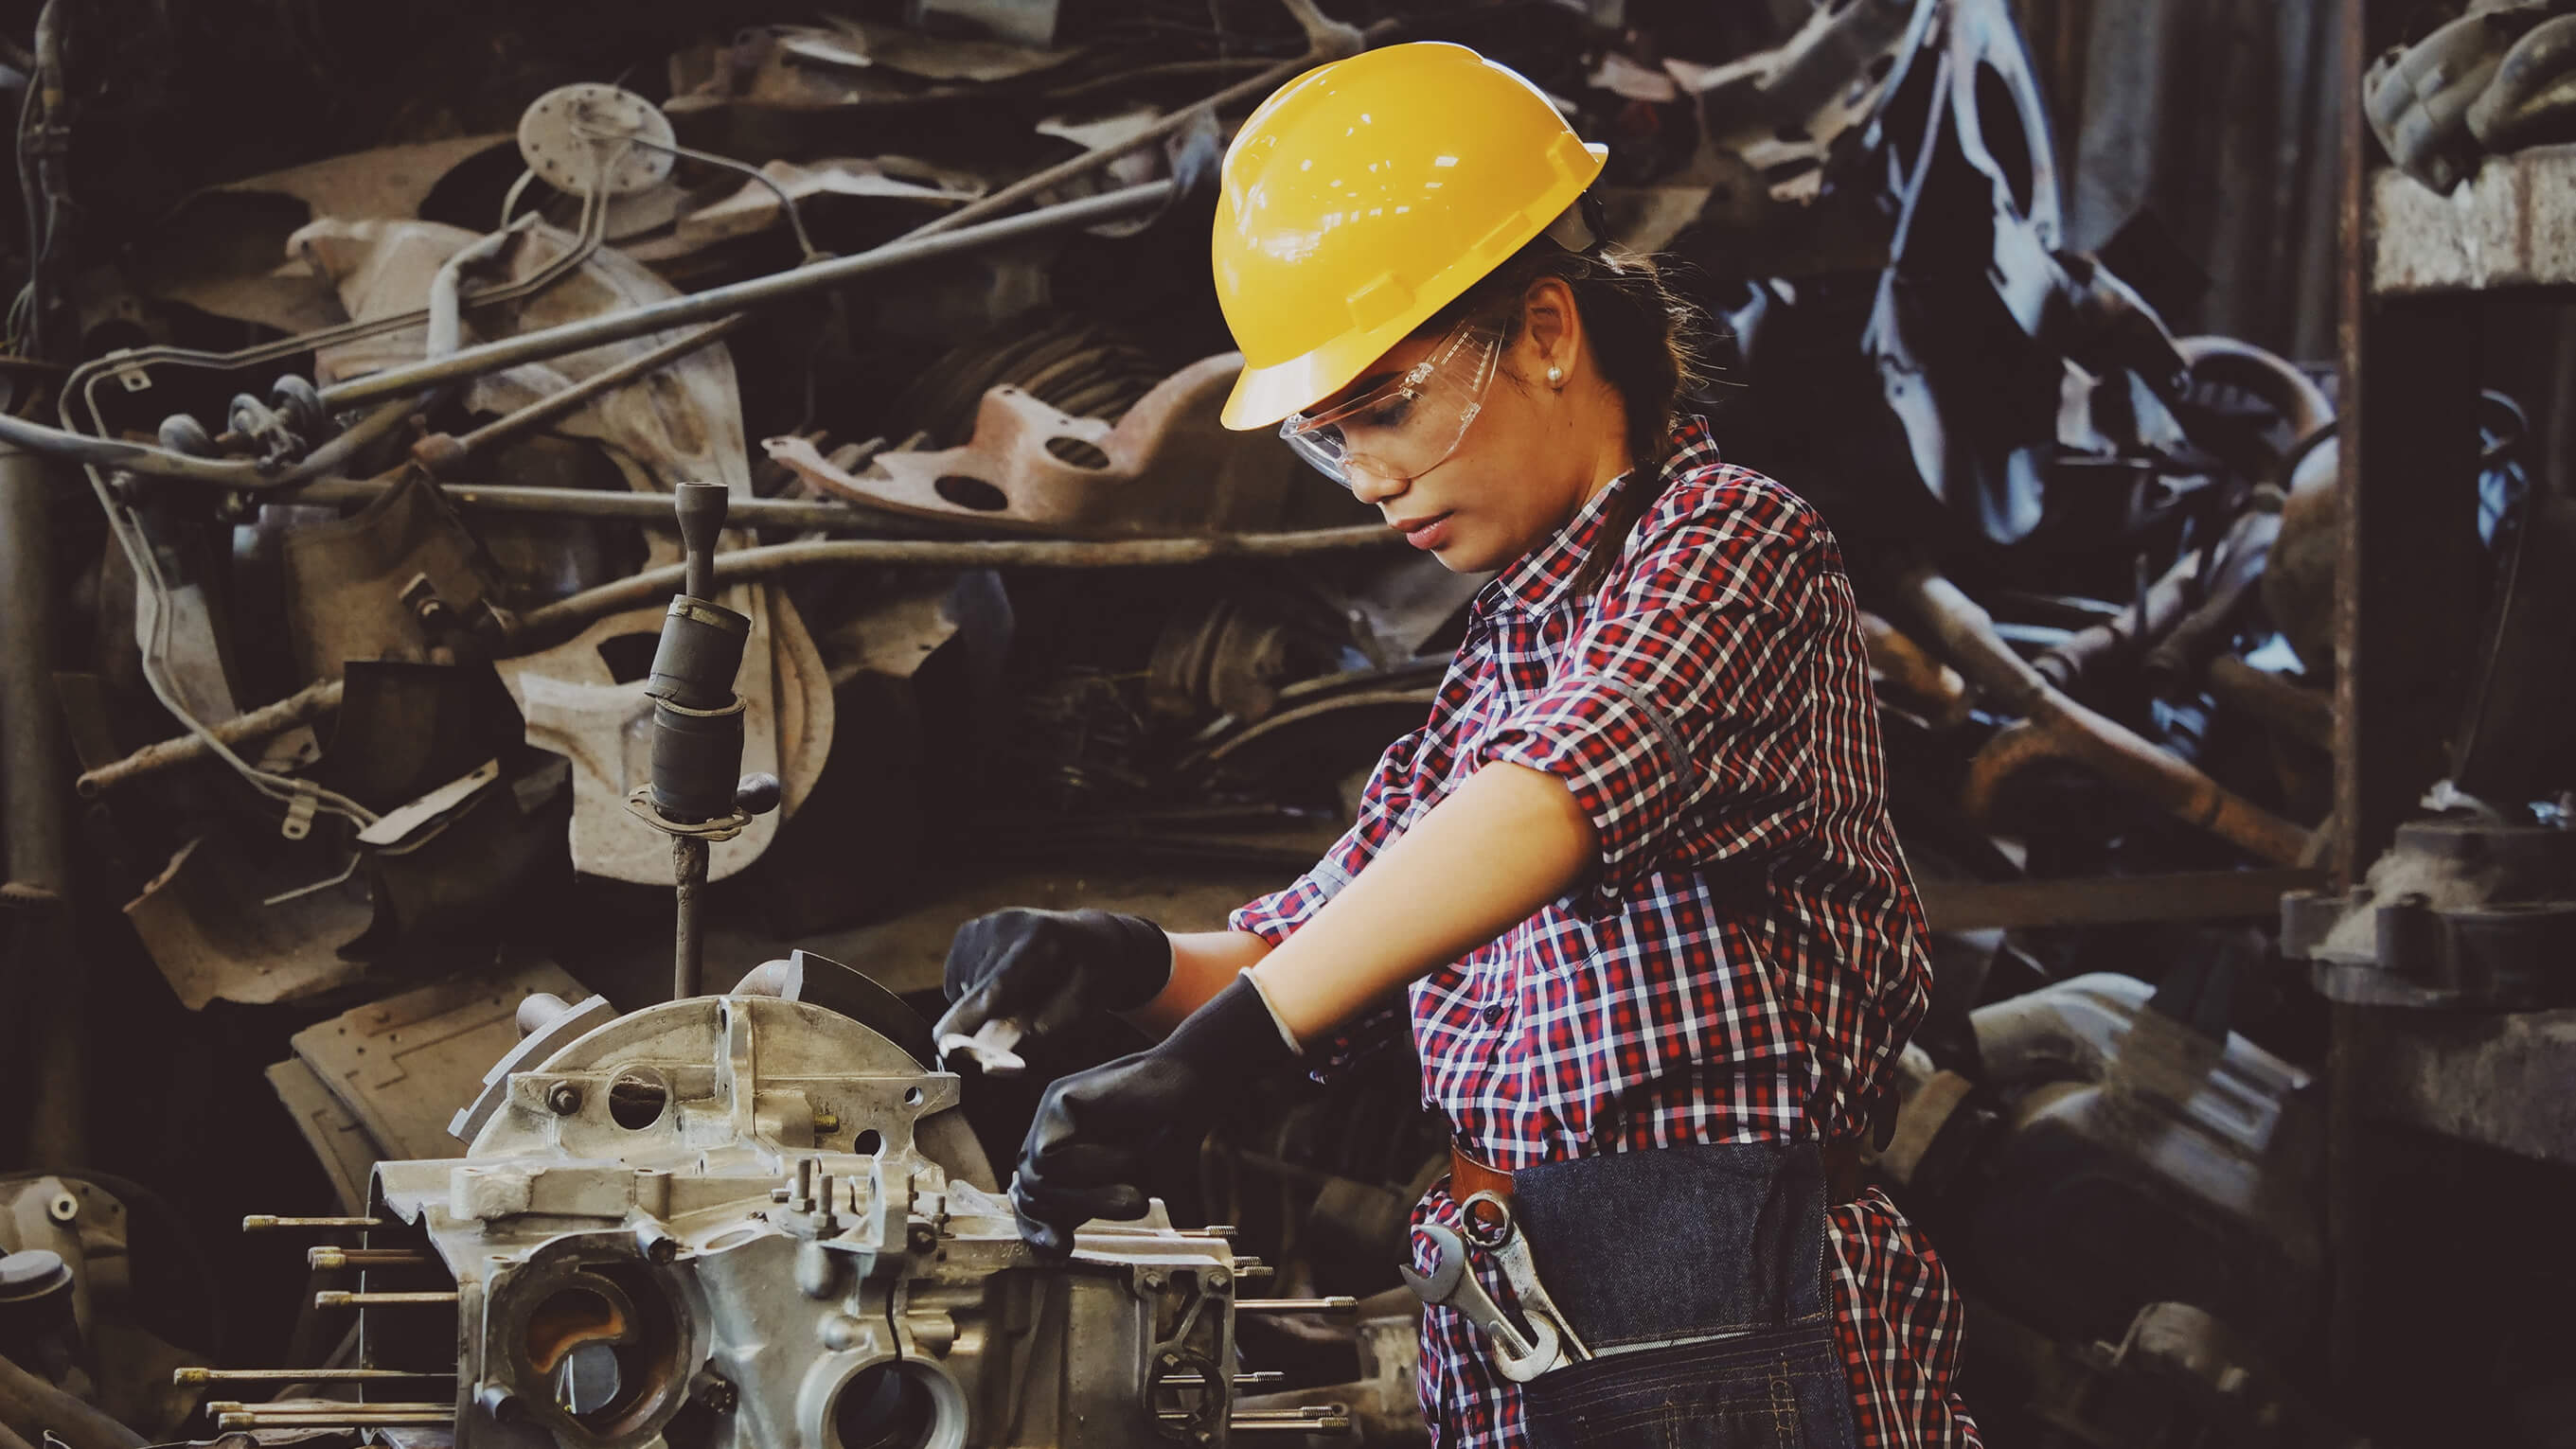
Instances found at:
x=41 y=983
x=262 y=1222
x=364 y=1258
x=695 y=756
x=38 y=823
x=36 y=1323
x=383 y=1300
x=717 y=302
x=537 y=1011
x=700 y=507
x=325 y=1407
x=700 y=651
x=689 y=877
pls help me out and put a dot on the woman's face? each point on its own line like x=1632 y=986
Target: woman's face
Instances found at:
x=1534 y=452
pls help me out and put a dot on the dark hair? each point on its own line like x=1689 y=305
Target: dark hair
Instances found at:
x=1644 y=337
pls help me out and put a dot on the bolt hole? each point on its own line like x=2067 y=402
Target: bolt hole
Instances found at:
x=636 y=1101
x=868 y=1143
x=912 y=1097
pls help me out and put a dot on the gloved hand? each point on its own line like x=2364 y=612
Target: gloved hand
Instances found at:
x=1049 y=968
x=1087 y=1147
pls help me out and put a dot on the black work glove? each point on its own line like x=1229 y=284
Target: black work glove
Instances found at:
x=1087 y=1147
x=1050 y=968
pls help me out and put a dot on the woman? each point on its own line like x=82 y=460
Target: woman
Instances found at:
x=1636 y=870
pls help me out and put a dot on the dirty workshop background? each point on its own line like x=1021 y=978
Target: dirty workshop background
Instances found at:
x=2191 y=385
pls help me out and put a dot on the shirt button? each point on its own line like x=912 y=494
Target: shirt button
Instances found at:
x=1495 y=1013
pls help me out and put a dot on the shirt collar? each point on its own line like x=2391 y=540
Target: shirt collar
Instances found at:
x=1537 y=580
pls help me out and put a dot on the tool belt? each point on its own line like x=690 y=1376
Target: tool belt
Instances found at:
x=1470 y=1174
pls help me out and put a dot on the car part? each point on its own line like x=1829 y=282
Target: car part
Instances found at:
x=749 y=1221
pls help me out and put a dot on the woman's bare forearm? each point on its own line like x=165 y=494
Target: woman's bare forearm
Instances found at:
x=1505 y=843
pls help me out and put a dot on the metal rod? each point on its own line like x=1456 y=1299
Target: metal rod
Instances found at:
x=1332 y=1419
x=1241 y=1380
x=364 y=1258
x=1338 y=1303
x=743 y=564
x=271 y=1419
x=328 y=1406
x=302 y=707
x=40 y=982
x=262 y=1222
x=382 y=1300
x=186 y=1377
x=653 y=509
x=441 y=454
x=489 y=357
x=688 y=945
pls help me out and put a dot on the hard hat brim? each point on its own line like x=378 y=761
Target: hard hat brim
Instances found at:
x=1263 y=396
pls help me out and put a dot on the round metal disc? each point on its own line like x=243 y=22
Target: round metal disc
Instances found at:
x=571 y=132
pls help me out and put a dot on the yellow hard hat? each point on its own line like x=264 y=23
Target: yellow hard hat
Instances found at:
x=1366 y=195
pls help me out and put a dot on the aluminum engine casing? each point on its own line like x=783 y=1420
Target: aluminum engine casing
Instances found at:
x=736 y=1315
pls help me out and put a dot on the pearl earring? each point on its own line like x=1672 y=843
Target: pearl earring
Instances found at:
x=1555 y=375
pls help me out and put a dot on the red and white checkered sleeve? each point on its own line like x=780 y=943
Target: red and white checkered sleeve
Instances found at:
x=1685 y=699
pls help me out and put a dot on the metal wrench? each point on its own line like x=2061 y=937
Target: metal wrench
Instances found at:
x=1490 y=1227
x=1452 y=1284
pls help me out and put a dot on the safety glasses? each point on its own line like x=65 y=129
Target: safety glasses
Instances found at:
x=1409 y=425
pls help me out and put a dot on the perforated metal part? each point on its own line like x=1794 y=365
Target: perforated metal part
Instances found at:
x=578 y=138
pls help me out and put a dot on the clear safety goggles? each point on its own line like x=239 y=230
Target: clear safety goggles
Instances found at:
x=1408 y=425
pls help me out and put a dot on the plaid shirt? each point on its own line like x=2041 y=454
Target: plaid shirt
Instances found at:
x=1746 y=961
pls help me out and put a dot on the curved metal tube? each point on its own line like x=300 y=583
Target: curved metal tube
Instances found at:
x=2267 y=375
x=2057 y=727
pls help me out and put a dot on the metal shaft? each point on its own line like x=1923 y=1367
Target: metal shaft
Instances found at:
x=187 y=1377
x=651 y=509
x=42 y=982
x=382 y=1300
x=688 y=946
x=472 y=362
x=363 y=1258
x=1339 y=1303
x=264 y=1222
x=443 y=459
x=355 y=1418
x=309 y=703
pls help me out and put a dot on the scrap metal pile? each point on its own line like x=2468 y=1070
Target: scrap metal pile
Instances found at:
x=375 y=550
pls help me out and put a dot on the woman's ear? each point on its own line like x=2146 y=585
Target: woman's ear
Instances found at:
x=1552 y=329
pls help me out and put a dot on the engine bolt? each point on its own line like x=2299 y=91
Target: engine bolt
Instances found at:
x=564 y=1098
x=63 y=1208
x=719 y=1395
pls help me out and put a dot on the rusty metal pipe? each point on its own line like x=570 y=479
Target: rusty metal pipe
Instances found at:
x=302 y=707
x=743 y=564
x=2055 y=726
x=2136 y=627
x=1923 y=680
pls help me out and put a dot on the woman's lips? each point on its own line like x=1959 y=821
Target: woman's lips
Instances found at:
x=1426 y=533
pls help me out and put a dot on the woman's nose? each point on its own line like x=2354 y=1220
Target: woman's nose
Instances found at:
x=1373 y=488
